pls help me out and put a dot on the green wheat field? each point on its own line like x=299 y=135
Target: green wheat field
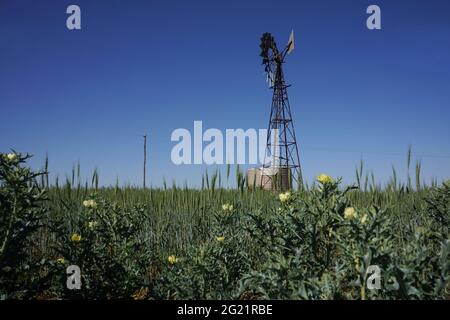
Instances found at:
x=217 y=242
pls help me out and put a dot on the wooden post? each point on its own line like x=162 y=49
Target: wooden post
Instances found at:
x=145 y=157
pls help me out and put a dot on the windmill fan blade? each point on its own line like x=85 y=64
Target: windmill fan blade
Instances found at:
x=268 y=44
x=291 y=42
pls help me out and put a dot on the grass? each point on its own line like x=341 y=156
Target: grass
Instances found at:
x=304 y=242
x=180 y=216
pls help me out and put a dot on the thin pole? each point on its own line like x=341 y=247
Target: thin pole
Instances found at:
x=145 y=157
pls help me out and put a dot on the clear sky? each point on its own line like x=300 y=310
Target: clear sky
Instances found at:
x=150 y=67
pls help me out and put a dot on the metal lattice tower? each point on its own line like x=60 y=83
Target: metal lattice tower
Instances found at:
x=284 y=167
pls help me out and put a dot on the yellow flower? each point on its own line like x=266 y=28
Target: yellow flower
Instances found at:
x=90 y=204
x=92 y=224
x=285 y=197
x=364 y=219
x=227 y=207
x=75 y=237
x=140 y=294
x=11 y=156
x=324 y=178
x=172 y=259
x=221 y=239
x=60 y=260
x=350 y=213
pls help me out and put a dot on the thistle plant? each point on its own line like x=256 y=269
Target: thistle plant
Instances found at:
x=21 y=216
x=221 y=243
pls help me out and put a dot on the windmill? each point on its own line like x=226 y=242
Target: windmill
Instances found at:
x=284 y=165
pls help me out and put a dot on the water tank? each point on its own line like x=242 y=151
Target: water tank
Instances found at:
x=271 y=178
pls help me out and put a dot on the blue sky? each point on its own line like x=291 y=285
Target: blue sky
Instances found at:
x=153 y=66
